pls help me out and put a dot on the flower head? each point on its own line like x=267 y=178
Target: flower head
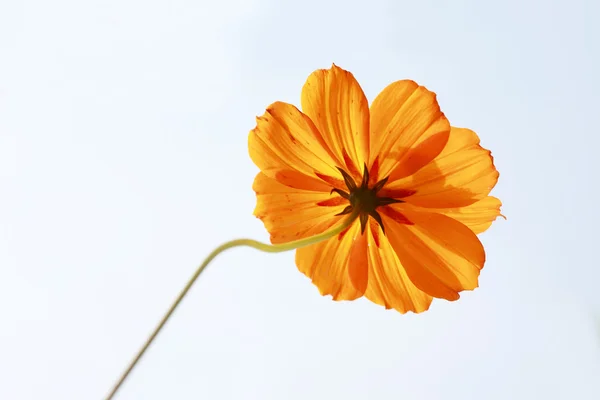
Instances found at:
x=420 y=188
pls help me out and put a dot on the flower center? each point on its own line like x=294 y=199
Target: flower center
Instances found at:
x=364 y=199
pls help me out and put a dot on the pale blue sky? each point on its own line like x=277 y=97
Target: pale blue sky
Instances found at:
x=124 y=161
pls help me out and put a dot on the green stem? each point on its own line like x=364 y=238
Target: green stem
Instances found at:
x=269 y=248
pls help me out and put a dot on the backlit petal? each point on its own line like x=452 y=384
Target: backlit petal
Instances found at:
x=328 y=264
x=478 y=216
x=389 y=284
x=442 y=257
x=461 y=175
x=286 y=146
x=335 y=102
x=408 y=130
x=290 y=214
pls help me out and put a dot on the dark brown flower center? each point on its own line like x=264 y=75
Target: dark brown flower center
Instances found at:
x=364 y=199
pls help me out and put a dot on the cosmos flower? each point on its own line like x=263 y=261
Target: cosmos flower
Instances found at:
x=420 y=188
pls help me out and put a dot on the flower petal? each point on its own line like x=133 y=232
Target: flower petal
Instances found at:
x=286 y=146
x=328 y=264
x=442 y=257
x=461 y=175
x=358 y=263
x=290 y=214
x=335 y=102
x=478 y=216
x=408 y=130
x=389 y=284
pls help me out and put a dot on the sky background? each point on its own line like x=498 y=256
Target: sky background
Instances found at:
x=124 y=162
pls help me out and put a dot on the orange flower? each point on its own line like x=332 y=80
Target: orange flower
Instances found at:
x=420 y=185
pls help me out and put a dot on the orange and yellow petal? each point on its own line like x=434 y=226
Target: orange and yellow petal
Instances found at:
x=328 y=264
x=461 y=175
x=337 y=105
x=478 y=216
x=408 y=129
x=389 y=284
x=287 y=146
x=290 y=214
x=441 y=256
x=358 y=265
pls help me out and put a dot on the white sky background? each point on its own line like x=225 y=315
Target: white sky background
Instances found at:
x=124 y=162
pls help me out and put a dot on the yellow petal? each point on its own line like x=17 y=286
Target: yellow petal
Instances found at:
x=327 y=264
x=358 y=263
x=290 y=214
x=389 y=284
x=442 y=257
x=478 y=216
x=335 y=102
x=408 y=130
x=286 y=146
x=461 y=175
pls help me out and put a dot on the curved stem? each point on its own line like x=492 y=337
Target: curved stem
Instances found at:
x=269 y=248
